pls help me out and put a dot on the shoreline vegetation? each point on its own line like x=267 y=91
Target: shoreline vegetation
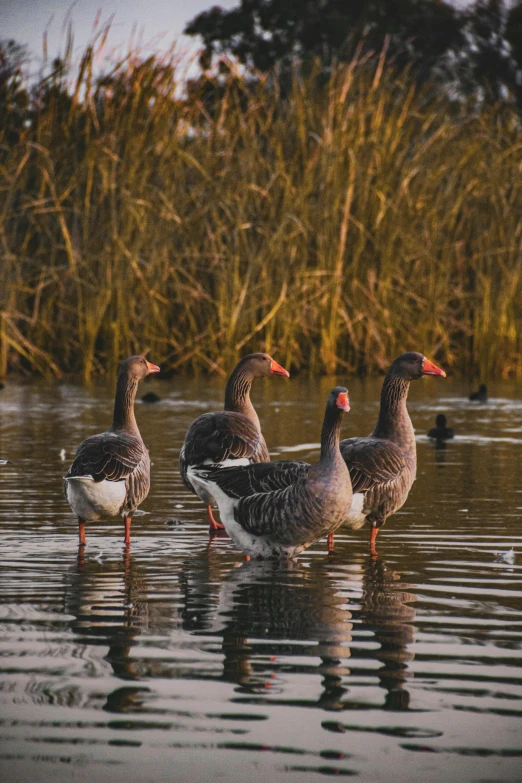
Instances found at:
x=333 y=223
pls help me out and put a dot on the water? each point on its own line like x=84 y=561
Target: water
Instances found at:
x=176 y=661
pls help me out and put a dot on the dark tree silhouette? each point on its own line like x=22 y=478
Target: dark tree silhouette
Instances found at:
x=473 y=50
x=492 y=57
x=262 y=33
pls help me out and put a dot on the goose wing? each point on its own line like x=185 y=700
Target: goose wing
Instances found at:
x=215 y=437
x=264 y=496
x=373 y=464
x=278 y=514
x=261 y=477
x=111 y=456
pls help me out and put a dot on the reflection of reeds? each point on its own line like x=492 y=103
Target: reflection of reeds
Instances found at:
x=338 y=226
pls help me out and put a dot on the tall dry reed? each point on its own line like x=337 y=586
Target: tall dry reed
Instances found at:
x=335 y=226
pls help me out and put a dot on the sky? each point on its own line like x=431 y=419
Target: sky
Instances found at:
x=157 y=23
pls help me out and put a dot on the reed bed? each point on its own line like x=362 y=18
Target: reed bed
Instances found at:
x=334 y=226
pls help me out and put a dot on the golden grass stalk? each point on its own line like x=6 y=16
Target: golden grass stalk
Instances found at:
x=335 y=226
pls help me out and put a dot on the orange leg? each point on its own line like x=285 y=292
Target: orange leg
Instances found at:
x=213 y=523
x=373 y=536
x=126 y=561
x=128 y=521
x=81 y=532
x=330 y=542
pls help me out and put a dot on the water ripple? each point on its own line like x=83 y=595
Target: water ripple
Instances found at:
x=177 y=654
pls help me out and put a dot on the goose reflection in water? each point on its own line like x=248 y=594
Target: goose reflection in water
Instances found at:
x=386 y=610
x=109 y=604
x=280 y=612
x=264 y=612
x=268 y=613
x=271 y=622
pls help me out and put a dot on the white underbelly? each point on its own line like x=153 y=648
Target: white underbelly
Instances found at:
x=356 y=517
x=259 y=546
x=91 y=499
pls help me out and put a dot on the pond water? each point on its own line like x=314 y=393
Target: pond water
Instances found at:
x=174 y=660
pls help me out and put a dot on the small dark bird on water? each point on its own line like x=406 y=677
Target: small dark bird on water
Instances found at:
x=481 y=395
x=151 y=397
x=440 y=431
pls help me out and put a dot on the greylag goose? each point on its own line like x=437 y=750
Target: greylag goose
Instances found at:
x=440 y=431
x=110 y=475
x=481 y=395
x=301 y=507
x=383 y=465
x=231 y=434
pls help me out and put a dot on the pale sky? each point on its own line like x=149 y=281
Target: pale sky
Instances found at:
x=158 y=22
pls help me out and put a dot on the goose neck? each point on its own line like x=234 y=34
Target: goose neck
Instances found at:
x=124 y=419
x=331 y=434
x=394 y=421
x=237 y=394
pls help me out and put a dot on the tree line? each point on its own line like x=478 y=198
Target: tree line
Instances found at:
x=475 y=49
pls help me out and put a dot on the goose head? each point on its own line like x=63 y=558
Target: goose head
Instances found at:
x=260 y=365
x=411 y=366
x=137 y=367
x=339 y=398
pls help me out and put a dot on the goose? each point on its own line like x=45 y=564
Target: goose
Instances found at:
x=440 y=431
x=4 y=462
x=110 y=475
x=383 y=465
x=300 y=507
x=481 y=395
x=231 y=436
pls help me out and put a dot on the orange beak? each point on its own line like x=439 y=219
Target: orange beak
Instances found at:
x=152 y=367
x=342 y=401
x=276 y=369
x=428 y=368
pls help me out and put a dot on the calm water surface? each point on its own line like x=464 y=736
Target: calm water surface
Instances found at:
x=176 y=661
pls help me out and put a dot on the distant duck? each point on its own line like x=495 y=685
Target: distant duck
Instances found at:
x=440 y=431
x=110 y=475
x=233 y=434
x=4 y=461
x=277 y=509
x=151 y=397
x=481 y=395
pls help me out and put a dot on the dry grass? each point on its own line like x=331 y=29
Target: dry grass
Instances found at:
x=334 y=228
